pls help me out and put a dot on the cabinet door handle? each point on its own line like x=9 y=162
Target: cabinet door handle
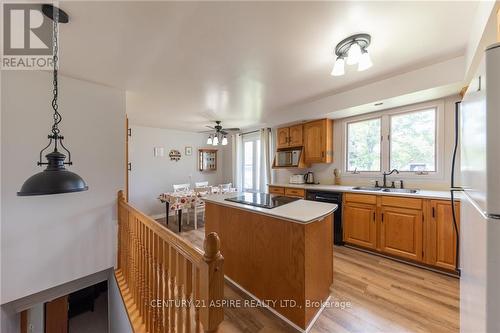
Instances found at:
x=373 y=216
x=433 y=212
x=382 y=217
x=322 y=154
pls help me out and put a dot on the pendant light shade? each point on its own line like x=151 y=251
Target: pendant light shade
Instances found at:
x=365 y=61
x=55 y=178
x=339 y=67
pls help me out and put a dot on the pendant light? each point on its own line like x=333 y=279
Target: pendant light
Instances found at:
x=55 y=178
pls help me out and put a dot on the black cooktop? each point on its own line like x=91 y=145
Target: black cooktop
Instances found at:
x=263 y=200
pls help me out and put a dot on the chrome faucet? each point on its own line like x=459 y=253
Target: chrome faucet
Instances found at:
x=388 y=174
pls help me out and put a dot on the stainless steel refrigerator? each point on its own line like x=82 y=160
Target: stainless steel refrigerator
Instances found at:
x=480 y=198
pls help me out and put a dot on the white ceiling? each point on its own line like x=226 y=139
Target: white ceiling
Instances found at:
x=184 y=64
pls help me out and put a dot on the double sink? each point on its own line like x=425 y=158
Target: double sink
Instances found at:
x=386 y=189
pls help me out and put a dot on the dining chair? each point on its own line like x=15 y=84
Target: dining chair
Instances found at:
x=199 y=205
x=181 y=187
x=225 y=187
x=201 y=184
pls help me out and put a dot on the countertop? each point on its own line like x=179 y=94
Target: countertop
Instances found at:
x=299 y=211
x=425 y=194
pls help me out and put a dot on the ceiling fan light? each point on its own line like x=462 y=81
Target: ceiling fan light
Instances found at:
x=215 y=141
x=338 y=67
x=353 y=54
x=365 y=61
x=224 y=140
x=209 y=140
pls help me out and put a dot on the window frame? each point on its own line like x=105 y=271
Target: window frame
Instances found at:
x=420 y=173
x=255 y=138
x=346 y=155
x=385 y=116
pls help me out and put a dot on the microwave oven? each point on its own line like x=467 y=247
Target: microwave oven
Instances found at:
x=288 y=158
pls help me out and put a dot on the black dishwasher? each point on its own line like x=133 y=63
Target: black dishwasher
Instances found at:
x=335 y=198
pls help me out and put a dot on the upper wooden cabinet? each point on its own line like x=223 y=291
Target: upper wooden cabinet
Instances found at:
x=290 y=136
x=318 y=141
x=441 y=239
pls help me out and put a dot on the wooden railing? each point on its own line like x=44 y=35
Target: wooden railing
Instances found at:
x=167 y=284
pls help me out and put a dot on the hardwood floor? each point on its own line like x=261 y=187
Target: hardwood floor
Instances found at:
x=384 y=296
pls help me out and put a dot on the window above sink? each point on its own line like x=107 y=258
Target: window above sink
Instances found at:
x=410 y=139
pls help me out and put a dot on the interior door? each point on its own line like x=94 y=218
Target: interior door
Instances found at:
x=360 y=224
x=314 y=141
x=401 y=232
x=56 y=315
x=283 y=134
x=295 y=137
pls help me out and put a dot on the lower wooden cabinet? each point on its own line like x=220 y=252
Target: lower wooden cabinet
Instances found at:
x=359 y=224
x=276 y=190
x=441 y=235
x=401 y=232
x=419 y=230
x=288 y=191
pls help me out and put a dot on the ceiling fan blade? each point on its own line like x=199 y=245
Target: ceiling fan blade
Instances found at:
x=233 y=129
x=210 y=127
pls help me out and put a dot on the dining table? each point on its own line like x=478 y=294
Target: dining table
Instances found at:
x=179 y=200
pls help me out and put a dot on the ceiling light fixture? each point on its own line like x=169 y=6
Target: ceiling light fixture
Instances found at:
x=55 y=178
x=220 y=135
x=354 y=50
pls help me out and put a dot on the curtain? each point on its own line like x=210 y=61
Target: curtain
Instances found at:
x=265 y=159
x=237 y=144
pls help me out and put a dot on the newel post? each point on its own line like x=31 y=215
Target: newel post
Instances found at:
x=212 y=284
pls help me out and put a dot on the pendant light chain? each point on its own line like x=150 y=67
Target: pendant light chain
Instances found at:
x=55 y=49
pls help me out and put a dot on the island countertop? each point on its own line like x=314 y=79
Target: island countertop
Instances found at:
x=299 y=211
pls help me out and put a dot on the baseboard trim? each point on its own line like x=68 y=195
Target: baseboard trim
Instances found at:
x=402 y=261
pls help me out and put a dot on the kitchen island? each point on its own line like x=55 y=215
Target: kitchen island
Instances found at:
x=281 y=256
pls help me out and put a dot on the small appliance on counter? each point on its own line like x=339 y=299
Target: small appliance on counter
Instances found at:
x=309 y=178
x=297 y=179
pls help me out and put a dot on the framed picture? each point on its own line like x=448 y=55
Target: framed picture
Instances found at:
x=188 y=151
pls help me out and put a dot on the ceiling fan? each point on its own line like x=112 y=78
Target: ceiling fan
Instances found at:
x=220 y=134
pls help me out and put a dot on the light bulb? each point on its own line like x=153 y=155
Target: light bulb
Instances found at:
x=215 y=141
x=209 y=140
x=224 y=140
x=354 y=54
x=365 y=61
x=338 y=68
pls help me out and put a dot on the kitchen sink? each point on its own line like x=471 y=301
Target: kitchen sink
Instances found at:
x=374 y=189
x=400 y=190
x=366 y=188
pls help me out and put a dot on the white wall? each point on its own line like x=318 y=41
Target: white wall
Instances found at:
x=324 y=172
x=117 y=313
x=151 y=176
x=51 y=240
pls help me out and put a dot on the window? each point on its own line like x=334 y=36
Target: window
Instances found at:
x=404 y=139
x=251 y=163
x=363 y=145
x=413 y=141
